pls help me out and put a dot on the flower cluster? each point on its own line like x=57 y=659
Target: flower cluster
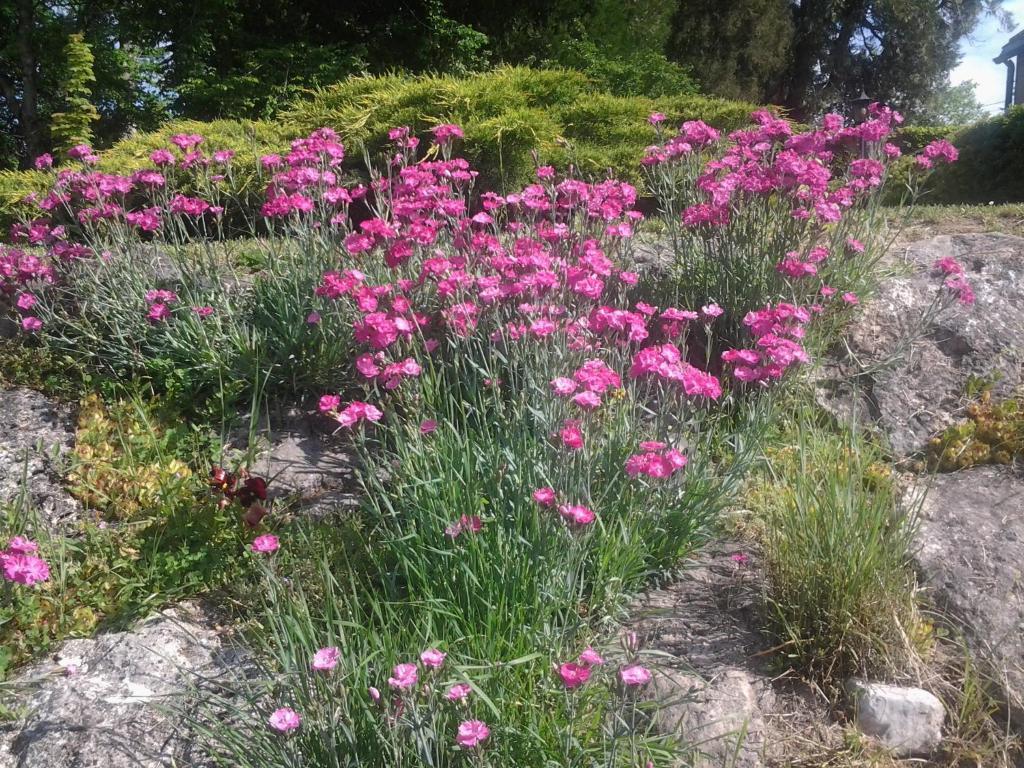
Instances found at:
x=21 y=565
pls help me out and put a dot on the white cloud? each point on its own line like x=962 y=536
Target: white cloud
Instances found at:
x=979 y=49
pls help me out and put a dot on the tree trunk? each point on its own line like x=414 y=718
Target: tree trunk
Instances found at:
x=28 y=111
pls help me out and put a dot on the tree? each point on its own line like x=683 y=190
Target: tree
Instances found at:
x=814 y=55
x=34 y=68
x=898 y=51
x=952 y=105
x=735 y=49
x=74 y=125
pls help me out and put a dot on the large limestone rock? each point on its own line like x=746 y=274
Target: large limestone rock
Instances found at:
x=906 y=720
x=913 y=396
x=971 y=556
x=34 y=434
x=101 y=703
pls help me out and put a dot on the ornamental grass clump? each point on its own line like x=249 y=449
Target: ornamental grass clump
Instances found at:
x=542 y=420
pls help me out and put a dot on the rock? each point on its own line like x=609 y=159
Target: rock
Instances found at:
x=304 y=462
x=971 y=558
x=34 y=433
x=913 y=396
x=712 y=684
x=721 y=716
x=97 y=705
x=906 y=720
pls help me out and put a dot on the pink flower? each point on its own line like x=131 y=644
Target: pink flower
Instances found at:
x=433 y=658
x=374 y=694
x=203 y=311
x=446 y=132
x=19 y=545
x=472 y=733
x=31 y=324
x=44 y=161
x=563 y=386
x=587 y=400
x=403 y=676
x=428 y=427
x=79 y=151
x=655 y=118
x=326 y=659
x=329 y=403
x=313 y=318
x=635 y=675
x=458 y=692
x=571 y=435
x=544 y=496
x=591 y=658
x=356 y=411
x=577 y=513
x=948 y=266
x=25 y=301
x=740 y=558
x=158 y=313
x=285 y=720
x=24 y=569
x=265 y=544
x=711 y=311
x=851 y=298
x=573 y=675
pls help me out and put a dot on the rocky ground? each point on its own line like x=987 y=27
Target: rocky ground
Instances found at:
x=97 y=702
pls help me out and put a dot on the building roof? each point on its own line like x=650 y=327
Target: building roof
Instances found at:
x=1013 y=47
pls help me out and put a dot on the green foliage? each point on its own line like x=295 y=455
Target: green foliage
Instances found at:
x=738 y=50
x=266 y=80
x=645 y=73
x=131 y=461
x=74 y=125
x=953 y=105
x=992 y=433
x=506 y=113
x=839 y=586
x=913 y=138
x=991 y=164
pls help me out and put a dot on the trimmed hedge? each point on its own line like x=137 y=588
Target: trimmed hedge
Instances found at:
x=991 y=164
x=507 y=114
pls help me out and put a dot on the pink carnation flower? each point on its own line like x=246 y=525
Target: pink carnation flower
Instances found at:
x=432 y=658
x=458 y=692
x=573 y=675
x=635 y=675
x=265 y=544
x=326 y=659
x=285 y=720
x=472 y=733
x=403 y=676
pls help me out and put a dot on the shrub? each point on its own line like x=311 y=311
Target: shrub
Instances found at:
x=499 y=110
x=990 y=168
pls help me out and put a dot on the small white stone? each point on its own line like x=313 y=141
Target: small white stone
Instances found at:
x=906 y=720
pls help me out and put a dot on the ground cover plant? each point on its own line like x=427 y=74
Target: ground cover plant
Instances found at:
x=545 y=417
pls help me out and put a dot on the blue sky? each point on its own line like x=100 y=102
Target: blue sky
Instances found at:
x=978 y=51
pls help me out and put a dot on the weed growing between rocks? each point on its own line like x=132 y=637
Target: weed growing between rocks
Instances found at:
x=542 y=422
x=839 y=587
